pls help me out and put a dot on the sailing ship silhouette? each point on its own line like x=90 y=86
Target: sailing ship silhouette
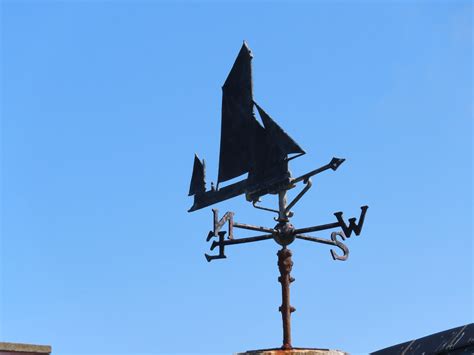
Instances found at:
x=263 y=152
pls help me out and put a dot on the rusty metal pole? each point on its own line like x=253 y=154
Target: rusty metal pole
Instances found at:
x=285 y=264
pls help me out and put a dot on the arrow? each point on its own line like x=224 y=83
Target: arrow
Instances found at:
x=333 y=164
x=221 y=243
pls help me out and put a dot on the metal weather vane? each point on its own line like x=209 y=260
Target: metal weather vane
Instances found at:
x=263 y=153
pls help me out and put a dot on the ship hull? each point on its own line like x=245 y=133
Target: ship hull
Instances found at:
x=253 y=191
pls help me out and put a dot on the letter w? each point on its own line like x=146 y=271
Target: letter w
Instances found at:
x=352 y=227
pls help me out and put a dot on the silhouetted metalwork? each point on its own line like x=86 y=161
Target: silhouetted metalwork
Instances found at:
x=247 y=147
x=263 y=153
x=285 y=265
x=456 y=341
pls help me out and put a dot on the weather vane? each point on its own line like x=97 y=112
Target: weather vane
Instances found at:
x=263 y=153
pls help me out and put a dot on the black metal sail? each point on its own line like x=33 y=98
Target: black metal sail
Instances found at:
x=278 y=136
x=198 y=183
x=272 y=146
x=238 y=122
x=246 y=146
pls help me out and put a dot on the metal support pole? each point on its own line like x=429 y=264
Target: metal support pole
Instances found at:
x=285 y=264
x=282 y=206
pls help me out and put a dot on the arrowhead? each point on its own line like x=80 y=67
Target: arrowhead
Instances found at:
x=335 y=163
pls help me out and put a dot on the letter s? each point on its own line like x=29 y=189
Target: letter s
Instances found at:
x=340 y=245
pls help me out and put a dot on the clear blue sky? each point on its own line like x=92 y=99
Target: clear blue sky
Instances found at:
x=105 y=103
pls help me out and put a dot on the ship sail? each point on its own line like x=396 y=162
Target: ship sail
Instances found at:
x=238 y=122
x=198 y=182
x=260 y=149
x=285 y=143
x=272 y=146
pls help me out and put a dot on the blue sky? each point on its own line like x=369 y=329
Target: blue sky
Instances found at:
x=104 y=105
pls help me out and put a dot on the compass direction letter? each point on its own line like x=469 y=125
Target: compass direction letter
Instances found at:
x=340 y=245
x=219 y=223
x=353 y=226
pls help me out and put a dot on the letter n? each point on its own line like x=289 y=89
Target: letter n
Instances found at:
x=219 y=223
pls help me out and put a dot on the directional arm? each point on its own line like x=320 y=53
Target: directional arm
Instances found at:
x=333 y=164
x=298 y=197
x=315 y=239
x=317 y=228
x=222 y=243
x=284 y=233
x=333 y=241
x=254 y=228
x=241 y=240
x=254 y=204
x=353 y=226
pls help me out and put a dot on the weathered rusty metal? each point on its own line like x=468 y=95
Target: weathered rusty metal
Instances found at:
x=315 y=239
x=332 y=241
x=285 y=234
x=262 y=151
x=353 y=226
x=242 y=240
x=282 y=216
x=228 y=217
x=339 y=244
x=254 y=203
x=308 y=184
x=333 y=164
x=222 y=243
x=254 y=228
x=285 y=264
x=318 y=228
